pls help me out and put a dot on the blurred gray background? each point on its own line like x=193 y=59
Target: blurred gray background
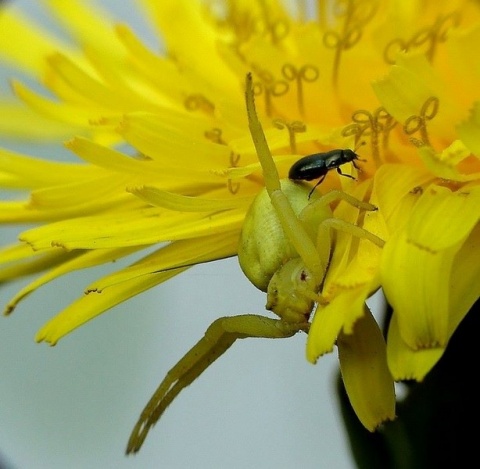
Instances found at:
x=262 y=405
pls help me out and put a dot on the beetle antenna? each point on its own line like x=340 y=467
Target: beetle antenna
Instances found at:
x=357 y=146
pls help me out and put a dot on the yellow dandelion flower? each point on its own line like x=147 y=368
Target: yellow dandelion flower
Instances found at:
x=382 y=94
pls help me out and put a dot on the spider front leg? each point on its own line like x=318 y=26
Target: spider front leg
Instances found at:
x=218 y=338
x=315 y=213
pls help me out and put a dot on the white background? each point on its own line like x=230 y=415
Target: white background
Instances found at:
x=262 y=405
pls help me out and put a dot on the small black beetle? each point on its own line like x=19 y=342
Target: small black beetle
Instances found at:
x=317 y=166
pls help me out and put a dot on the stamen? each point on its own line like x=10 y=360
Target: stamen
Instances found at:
x=372 y=126
x=356 y=16
x=198 y=102
x=418 y=123
x=234 y=159
x=240 y=21
x=382 y=114
x=215 y=135
x=233 y=188
x=269 y=87
x=292 y=128
x=302 y=11
x=417 y=190
x=426 y=39
x=322 y=14
x=277 y=29
x=307 y=73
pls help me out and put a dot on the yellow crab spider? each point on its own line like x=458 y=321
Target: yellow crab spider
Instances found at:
x=284 y=250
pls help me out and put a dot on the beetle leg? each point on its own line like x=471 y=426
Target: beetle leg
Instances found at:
x=339 y=171
x=218 y=338
x=356 y=166
x=317 y=184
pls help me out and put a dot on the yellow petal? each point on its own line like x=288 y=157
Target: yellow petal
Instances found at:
x=464 y=64
x=406 y=363
x=74 y=116
x=422 y=101
x=469 y=130
x=417 y=264
x=84 y=84
x=24 y=44
x=19 y=171
x=116 y=288
x=19 y=260
x=465 y=287
x=183 y=253
x=67 y=200
x=365 y=373
x=444 y=164
x=143 y=227
x=69 y=262
x=20 y=122
x=442 y=218
x=395 y=91
x=181 y=203
x=89 y=306
x=162 y=73
x=354 y=260
x=169 y=146
x=416 y=284
x=195 y=49
x=396 y=191
x=108 y=158
x=328 y=321
x=88 y=23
